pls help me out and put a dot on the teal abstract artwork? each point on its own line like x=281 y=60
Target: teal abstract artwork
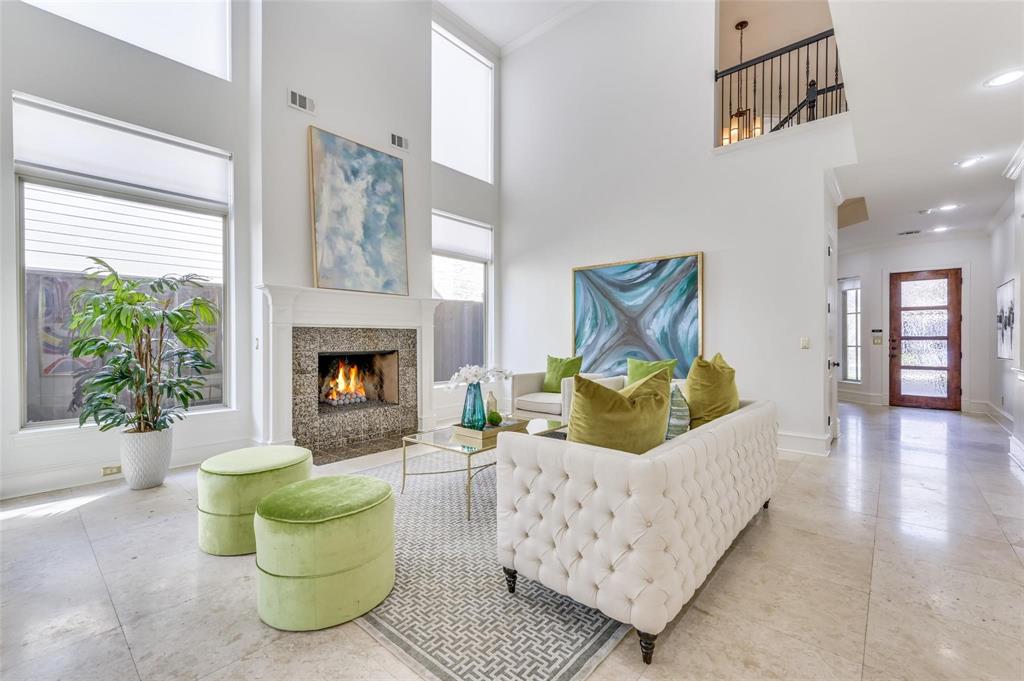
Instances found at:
x=357 y=202
x=648 y=309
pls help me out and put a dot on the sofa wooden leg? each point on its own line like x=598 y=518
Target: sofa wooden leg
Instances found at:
x=767 y=502
x=510 y=579
x=647 y=645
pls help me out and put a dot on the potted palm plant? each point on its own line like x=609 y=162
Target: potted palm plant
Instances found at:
x=151 y=353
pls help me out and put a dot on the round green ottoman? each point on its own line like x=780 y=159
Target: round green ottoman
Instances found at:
x=325 y=551
x=230 y=486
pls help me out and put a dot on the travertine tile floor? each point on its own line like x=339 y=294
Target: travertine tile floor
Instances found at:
x=901 y=556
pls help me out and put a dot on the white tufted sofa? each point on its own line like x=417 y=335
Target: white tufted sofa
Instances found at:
x=633 y=536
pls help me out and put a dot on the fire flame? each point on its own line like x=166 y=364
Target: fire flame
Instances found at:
x=348 y=381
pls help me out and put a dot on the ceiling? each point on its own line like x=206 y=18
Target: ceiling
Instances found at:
x=505 y=22
x=914 y=74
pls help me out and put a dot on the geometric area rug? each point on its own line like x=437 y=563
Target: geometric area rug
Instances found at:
x=450 y=616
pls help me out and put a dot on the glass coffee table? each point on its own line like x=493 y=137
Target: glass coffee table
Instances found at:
x=446 y=440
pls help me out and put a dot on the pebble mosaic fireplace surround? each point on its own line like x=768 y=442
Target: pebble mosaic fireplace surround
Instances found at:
x=322 y=428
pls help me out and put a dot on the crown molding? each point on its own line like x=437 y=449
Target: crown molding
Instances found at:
x=1016 y=164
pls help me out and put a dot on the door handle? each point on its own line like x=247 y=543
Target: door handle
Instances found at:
x=834 y=365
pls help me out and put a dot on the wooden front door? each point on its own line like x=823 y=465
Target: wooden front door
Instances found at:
x=924 y=339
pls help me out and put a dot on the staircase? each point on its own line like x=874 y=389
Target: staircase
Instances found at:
x=792 y=85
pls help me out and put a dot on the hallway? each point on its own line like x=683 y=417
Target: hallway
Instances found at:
x=941 y=504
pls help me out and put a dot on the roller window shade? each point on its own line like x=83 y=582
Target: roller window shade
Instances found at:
x=49 y=136
x=458 y=237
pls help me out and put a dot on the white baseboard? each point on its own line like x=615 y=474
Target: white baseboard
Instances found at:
x=805 y=443
x=1000 y=416
x=975 y=407
x=857 y=397
x=48 y=478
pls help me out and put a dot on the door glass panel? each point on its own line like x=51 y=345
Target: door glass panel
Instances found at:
x=924 y=293
x=924 y=382
x=928 y=353
x=925 y=322
x=851 y=329
x=852 y=370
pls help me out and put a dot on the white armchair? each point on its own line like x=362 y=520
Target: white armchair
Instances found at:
x=633 y=536
x=530 y=401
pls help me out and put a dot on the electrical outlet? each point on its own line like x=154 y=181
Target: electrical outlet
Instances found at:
x=805 y=343
x=111 y=470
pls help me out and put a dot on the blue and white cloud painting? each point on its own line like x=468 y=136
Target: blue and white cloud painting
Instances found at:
x=358 y=216
x=649 y=310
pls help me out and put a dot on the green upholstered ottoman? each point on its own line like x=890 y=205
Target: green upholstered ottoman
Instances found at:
x=325 y=551
x=230 y=486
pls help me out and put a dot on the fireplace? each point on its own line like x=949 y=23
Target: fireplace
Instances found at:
x=352 y=385
x=354 y=380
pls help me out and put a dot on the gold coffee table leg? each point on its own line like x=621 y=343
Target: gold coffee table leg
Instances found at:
x=403 y=466
x=469 y=487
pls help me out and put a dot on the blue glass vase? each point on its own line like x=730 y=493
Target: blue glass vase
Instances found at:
x=473 y=415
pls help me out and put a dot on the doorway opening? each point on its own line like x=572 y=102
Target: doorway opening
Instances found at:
x=924 y=339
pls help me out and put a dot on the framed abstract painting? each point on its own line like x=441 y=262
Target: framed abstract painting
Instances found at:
x=357 y=209
x=649 y=309
x=1006 y=320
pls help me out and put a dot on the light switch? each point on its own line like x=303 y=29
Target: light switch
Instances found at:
x=805 y=343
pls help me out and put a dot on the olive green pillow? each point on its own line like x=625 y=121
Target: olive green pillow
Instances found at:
x=633 y=419
x=641 y=368
x=710 y=390
x=559 y=368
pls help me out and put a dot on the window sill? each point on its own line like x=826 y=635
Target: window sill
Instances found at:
x=57 y=428
x=847 y=382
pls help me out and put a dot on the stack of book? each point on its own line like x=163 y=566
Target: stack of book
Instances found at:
x=489 y=434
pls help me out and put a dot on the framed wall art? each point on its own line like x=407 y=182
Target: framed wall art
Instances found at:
x=648 y=309
x=357 y=209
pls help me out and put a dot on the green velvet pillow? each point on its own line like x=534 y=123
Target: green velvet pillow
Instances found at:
x=641 y=368
x=559 y=368
x=710 y=390
x=678 y=414
x=633 y=419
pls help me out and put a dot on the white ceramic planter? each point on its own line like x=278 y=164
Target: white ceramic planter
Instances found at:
x=145 y=458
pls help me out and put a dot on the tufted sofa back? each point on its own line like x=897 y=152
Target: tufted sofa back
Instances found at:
x=633 y=536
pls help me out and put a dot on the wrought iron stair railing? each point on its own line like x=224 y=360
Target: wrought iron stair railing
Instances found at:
x=792 y=85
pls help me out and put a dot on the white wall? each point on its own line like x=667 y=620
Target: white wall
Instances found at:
x=925 y=252
x=1002 y=378
x=53 y=58
x=367 y=66
x=607 y=156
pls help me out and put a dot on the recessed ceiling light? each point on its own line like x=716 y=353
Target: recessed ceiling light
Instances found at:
x=968 y=162
x=910 y=232
x=940 y=228
x=1005 y=78
x=949 y=207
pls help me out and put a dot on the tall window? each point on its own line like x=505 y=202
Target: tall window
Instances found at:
x=195 y=33
x=462 y=107
x=460 y=269
x=851 y=329
x=68 y=214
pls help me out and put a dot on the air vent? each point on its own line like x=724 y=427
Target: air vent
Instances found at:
x=299 y=101
x=910 y=232
x=400 y=142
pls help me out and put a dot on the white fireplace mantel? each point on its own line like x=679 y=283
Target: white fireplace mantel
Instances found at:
x=285 y=307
